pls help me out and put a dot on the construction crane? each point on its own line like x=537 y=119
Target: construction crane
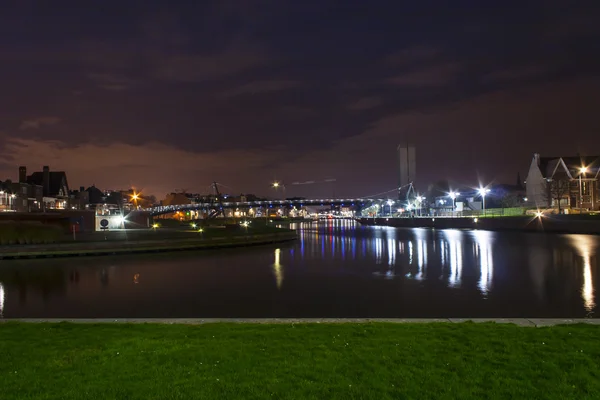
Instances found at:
x=216 y=203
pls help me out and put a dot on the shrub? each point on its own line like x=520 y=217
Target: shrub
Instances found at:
x=13 y=232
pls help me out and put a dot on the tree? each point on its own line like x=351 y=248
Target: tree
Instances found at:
x=115 y=198
x=151 y=200
x=510 y=200
x=558 y=189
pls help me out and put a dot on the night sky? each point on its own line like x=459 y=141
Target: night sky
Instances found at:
x=172 y=95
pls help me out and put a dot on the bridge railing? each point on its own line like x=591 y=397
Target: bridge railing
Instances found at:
x=264 y=203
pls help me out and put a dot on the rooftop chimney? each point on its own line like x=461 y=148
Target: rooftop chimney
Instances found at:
x=46 y=172
x=22 y=174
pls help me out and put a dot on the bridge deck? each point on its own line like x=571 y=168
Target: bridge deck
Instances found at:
x=264 y=203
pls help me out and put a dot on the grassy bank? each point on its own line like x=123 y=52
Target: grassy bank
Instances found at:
x=23 y=232
x=302 y=361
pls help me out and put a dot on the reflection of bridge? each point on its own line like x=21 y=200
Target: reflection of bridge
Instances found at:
x=358 y=203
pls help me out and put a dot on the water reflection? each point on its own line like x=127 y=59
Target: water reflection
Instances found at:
x=391 y=245
x=2 y=297
x=585 y=247
x=483 y=251
x=455 y=258
x=421 y=253
x=331 y=271
x=277 y=269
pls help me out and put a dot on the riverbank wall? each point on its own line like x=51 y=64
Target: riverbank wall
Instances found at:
x=573 y=224
x=140 y=246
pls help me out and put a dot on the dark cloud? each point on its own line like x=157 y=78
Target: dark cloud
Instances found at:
x=517 y=73
x=201 y=67
x=260 y=87
x=412 y=55
x=365 y=103
x=465 y=140
x=436 y=75
x=241 y=91
x=36 y=123
x=112 y=81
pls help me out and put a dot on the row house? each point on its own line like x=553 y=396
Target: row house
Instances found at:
x=564 y=182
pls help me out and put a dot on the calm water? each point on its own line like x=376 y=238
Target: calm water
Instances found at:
x=336 y=269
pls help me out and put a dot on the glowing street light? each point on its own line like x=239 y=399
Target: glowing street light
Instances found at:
x=482 y=192
x=135 y=196
x=390 y=203
x=276 y=185
x=539 y=214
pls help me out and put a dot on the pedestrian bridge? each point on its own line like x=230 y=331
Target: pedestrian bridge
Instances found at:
x=358 y=202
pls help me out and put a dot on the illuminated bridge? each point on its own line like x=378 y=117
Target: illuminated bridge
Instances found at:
x=246 y=205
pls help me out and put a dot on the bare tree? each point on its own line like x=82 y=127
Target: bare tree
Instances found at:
x=558 y=189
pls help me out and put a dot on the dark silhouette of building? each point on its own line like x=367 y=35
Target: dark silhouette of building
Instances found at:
x=55 y=188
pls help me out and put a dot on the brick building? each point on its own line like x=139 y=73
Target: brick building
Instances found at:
x=564 y=182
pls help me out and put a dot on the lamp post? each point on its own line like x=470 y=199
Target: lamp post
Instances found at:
x=389 y=203
x=482 y=193
x=453 y=196
x=277 y=185
x=420 y=200
x=582 y=171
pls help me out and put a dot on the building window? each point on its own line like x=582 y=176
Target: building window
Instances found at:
x=24 y=189
x=24 y=202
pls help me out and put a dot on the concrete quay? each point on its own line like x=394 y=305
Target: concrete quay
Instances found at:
x=139 y=246
x=568 y=224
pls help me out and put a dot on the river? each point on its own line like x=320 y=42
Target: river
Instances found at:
x=335 y=269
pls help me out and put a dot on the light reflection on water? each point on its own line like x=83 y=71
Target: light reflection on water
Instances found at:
x=335 y=269
x=277 y=269
x=2 y=295
x=585 y=247
x=449 y=246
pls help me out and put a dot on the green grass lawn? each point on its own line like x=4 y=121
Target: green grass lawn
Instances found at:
x=302 y=361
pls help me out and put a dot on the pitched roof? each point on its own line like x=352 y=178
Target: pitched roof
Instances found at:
x=548 y=164
x=56 y=180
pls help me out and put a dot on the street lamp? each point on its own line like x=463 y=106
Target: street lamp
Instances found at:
x=420 y=200
x=389 y=203
x=482 y=192
x=135 y=197
x=276 y=185
x=582 y=171
x=453 y=196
